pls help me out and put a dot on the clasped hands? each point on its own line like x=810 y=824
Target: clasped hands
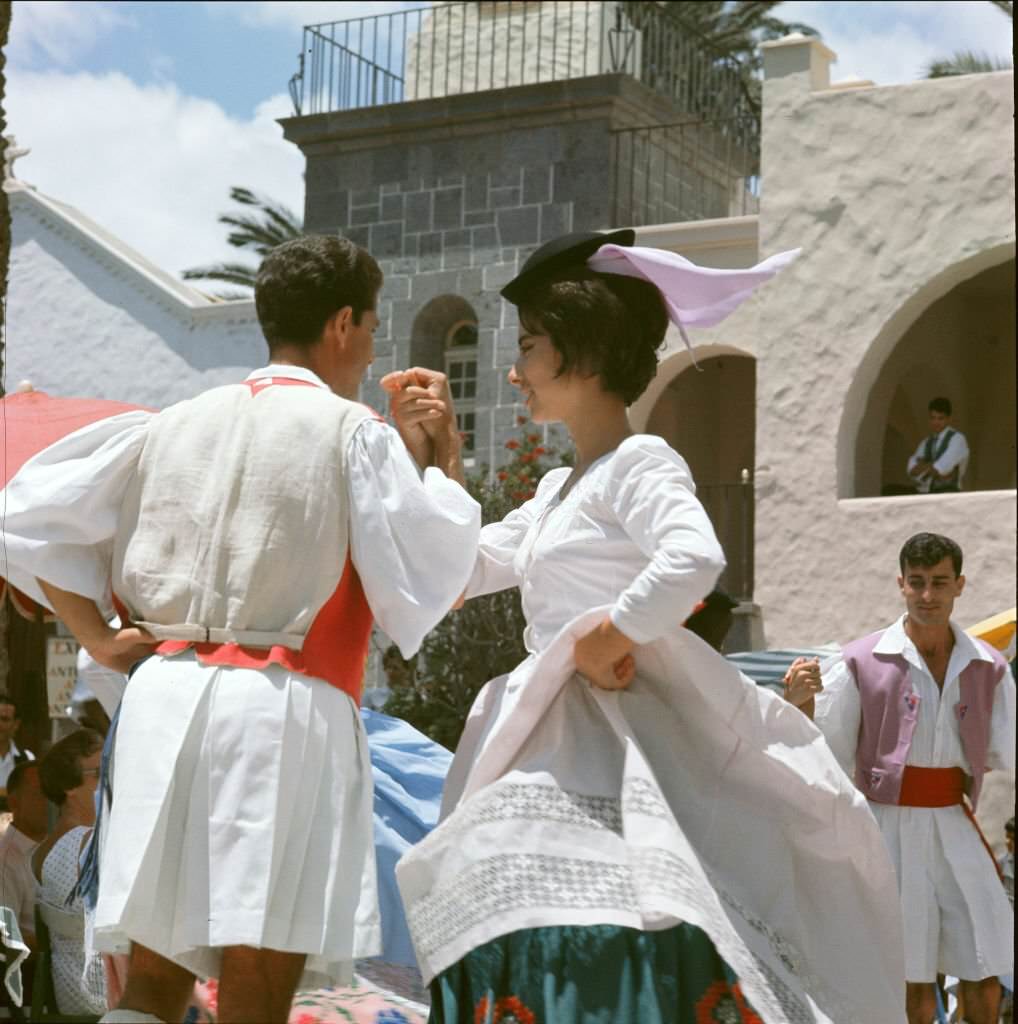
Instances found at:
x=422 y=409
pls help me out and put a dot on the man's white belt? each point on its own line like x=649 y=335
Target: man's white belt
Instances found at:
x=195 y=634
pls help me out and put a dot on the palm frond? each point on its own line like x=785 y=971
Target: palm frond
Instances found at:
x=964 y=62
x=229 y=273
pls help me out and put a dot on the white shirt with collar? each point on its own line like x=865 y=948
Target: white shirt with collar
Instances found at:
x=17 y=883
x=8 y=761
x=955 y=455
x=952 y=898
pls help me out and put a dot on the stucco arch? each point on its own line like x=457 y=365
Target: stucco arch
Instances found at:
x=855 y=434
x=707 y=412
x=668 y=369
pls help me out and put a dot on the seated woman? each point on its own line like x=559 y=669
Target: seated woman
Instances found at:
x=69 y=774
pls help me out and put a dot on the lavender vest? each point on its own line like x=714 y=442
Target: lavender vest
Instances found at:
x=890 y=708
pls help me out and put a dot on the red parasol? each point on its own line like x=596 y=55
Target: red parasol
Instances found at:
x=30 y=421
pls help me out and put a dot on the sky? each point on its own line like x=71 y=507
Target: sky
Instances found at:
x=143 y=115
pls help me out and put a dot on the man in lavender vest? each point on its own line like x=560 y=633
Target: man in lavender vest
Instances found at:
x=916 y=713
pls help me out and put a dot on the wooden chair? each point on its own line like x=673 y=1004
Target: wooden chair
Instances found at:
x=44 y=1002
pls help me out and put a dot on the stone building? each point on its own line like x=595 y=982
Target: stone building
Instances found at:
x=806 y=401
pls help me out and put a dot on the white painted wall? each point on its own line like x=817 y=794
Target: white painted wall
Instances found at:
x=896 y=195
x=472 y=47
x=88 y=317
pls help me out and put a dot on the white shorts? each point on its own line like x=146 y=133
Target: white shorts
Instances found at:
x=242 y=815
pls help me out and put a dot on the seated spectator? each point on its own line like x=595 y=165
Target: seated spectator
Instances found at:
x=24 y=833
x=70 y=773
x=10 y=753
x=938 y=464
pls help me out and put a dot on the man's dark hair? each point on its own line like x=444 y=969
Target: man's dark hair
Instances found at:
x=304 y=282
x=940 y=404
x=927 y=549
x=17 y=776
x=60 y=767
x=602 y=324
x=6 y=698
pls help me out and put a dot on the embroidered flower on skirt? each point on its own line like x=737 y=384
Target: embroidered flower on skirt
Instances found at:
x=507 y=1010
x=725 y=1004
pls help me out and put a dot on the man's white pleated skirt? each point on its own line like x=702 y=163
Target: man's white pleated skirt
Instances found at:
x=242 y=815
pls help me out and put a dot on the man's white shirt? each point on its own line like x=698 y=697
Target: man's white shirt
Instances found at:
x=956 y=455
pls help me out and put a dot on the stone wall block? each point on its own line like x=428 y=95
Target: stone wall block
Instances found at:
x=537 y=184
x=417 y=211
x=386 y=239
x=498 y=275
x=456 y=238
x=359 y=235
x=506 y=176
x=396 y=287
x=475 y=192
x=451 y=181
x=364 y=196
x=518 y=226
x=475 y=218
x=448 y=208
x=392 y=207
x=484 y=237
x=456 y=257
x=410 y=247
x=556 y=219
x=430 y=243
x=364 y=214
x=390 y=188
x=500 y=197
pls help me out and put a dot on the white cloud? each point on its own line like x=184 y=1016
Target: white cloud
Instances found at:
x=149 y=164
x=893 y=41
x=59 y=31
x=297 y=13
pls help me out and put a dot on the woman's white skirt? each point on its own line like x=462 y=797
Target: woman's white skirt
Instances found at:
x=242 y=816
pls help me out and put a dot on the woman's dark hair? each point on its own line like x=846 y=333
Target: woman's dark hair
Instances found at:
x=603 y=324
x=60 y=767
x=303 y=282
x=924 y=550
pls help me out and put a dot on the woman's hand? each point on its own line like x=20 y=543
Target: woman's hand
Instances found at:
x=802 y=682
x=604 y=657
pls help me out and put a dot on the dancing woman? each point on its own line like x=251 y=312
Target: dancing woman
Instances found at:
x=632 y=830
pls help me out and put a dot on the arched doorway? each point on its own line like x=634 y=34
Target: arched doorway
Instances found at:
x=707 y=413
x=955 y=338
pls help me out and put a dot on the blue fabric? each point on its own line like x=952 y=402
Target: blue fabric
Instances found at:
x=87 y=886
x=409 y=771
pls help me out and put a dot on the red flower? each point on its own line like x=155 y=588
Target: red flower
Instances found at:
x=725 y=1004
x=539 y=451
x=525 y=457
x=533 y=438
x=508 y=1010
x=512 y=445
x=520 y=420
x=502 y=475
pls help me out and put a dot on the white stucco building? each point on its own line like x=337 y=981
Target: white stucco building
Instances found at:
x=902 y=199
x=89 y=316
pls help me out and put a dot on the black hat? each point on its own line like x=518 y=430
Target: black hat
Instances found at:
x=560 y=253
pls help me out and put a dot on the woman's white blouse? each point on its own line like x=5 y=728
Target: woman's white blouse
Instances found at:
x=629 y=533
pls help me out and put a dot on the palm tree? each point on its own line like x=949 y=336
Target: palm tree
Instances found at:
x=969 y=62
x=731 y=32
x=254 y=232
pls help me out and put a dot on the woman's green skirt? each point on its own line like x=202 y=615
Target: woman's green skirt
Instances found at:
x=599 y=974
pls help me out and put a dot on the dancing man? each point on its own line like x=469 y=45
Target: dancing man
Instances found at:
x=250 y=536
x=916 y=713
